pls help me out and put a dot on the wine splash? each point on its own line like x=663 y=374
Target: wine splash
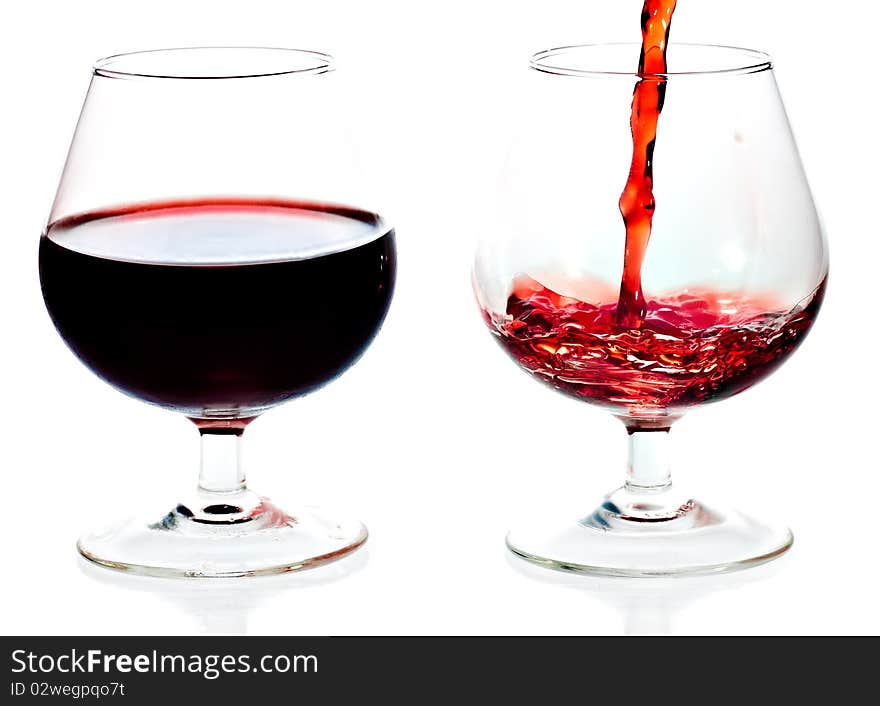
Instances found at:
x=637 y=201
x=695 y=346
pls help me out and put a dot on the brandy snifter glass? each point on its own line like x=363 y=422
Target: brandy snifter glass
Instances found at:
x=214 y=250
x=733 y=278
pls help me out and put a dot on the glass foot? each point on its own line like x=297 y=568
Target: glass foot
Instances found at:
x=643 y=535
x=228 y=535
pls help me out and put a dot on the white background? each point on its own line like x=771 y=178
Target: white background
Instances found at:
x=435 y=439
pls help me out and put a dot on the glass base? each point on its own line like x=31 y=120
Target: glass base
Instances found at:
x=649 y=534
x=224 y=535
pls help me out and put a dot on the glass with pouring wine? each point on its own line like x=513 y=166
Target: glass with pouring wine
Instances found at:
x=710 y=282
x=213 y=250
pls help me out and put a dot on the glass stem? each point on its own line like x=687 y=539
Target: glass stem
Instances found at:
x=221 y=469
x=648 y=470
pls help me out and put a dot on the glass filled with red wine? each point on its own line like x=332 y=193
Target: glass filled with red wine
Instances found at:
x=657 y=249
x=213 y=250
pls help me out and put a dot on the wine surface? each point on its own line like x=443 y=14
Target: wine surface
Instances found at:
x=694 y=347
x=218 y=308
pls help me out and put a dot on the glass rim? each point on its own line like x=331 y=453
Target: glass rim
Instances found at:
x=755 y=61
x=307 y=62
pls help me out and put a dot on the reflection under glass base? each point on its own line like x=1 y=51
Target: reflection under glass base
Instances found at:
x=238 y=534
x=640 y=535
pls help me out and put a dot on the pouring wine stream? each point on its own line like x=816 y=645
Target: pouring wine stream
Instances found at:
x=637 y=201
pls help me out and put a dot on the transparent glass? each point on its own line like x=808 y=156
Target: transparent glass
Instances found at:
x=214 y=249
x=734 y=276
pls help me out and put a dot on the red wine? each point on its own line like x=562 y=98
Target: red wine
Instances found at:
x=693 y=347
x=218 y=308
x=637 y=203
x=647 y=359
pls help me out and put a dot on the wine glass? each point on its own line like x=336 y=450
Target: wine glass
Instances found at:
x=214 y=250
x=733 y=278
